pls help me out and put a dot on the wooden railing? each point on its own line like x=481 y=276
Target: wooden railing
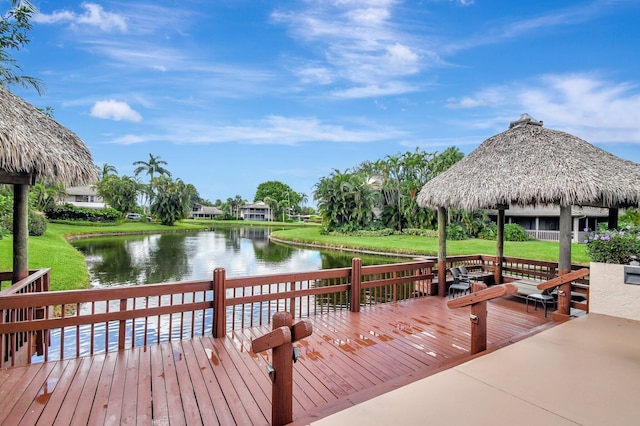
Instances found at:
x=83 y=322
x=22 y=344
x=102 y=320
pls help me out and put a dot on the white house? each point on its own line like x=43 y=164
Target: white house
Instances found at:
x=257 y=211
x=205 y=212
x=84 y=196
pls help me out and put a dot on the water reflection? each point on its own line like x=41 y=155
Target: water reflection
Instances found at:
x=146 y=259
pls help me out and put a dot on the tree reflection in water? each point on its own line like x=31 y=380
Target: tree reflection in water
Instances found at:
x=157 y=258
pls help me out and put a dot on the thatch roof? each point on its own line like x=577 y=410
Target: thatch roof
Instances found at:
x=532 y=165
x=32 y=142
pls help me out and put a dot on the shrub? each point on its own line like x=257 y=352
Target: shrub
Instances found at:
x=456 y=232
x=37 y=224
x=515 y=232
x=614 y=246
x=490 y=232
x=70 y=212
x=421 y=232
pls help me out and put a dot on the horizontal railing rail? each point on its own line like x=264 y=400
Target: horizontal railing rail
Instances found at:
x=75 y=323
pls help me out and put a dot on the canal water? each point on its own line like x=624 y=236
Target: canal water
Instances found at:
x=171 y=257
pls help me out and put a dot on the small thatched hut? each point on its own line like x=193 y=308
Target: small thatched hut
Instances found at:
x=34 y=146
x=532 y=165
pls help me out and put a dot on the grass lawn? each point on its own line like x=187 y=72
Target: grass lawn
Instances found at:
x=412 y=244
x=68 y=268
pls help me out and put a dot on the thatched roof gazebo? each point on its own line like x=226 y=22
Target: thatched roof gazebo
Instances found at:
x=531 y=165
x=33 y=147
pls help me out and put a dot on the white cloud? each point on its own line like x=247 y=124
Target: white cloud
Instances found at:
x=586 y=105
x=115 y=110
x=358 y=43
x=271 y=130
x=94 y=16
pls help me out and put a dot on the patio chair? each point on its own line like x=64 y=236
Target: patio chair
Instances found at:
x=544 y=298
x=464 y=273
x=461 y=283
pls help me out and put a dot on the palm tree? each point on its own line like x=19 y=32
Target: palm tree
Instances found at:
x=153 y=166
x=106 y=169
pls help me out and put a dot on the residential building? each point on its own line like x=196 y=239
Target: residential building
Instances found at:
x=257 y=211
x=205 y=212
x=84 y=196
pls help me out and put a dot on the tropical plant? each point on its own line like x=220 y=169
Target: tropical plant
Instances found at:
x=152 y=167
x=107 y=169
x=172 y=203
x=345 y=201
x=119 y=192
x=14 y=25
x=515 y=232
x=614 y=246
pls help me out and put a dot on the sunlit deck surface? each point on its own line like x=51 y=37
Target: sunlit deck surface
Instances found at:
x=350 y=357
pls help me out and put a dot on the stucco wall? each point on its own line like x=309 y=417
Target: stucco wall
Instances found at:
x=609 y=295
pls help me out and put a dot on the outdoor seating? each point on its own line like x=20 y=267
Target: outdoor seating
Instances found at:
x=545 y=298
x=461 y=283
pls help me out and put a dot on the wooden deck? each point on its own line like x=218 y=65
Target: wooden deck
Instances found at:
x=350 y=357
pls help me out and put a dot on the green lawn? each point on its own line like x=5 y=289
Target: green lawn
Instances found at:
x=68 y=268
x=412 y=244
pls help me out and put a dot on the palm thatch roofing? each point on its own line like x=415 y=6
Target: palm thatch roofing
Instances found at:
x=532 y=165
x=32 y=142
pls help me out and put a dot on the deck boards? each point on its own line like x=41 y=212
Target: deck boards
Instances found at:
x=220 y=381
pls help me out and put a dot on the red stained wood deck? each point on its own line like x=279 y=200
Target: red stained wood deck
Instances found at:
x=350 y=357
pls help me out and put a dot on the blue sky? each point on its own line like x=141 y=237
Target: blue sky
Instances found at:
x=233 y=93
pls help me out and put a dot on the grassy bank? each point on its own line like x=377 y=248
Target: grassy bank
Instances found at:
x=412 y=244
x=68 y=268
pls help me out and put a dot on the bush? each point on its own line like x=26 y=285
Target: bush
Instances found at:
x=515 y=232
x=456 y=232
x=421 y=232
x=37 y=224
x=490 y=232
x=614 y=246
x=70 y=212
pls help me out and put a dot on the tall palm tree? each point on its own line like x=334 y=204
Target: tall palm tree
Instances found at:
x=153 y=166
x=106 y=169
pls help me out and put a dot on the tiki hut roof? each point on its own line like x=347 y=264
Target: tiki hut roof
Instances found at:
x=532 y=165
x=32 y=142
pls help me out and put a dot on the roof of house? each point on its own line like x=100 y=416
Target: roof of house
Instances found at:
x=82 y=190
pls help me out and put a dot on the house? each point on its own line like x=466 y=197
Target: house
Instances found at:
x=257 y=211
x=543 y=222
x=84 y=196
x=205 y=212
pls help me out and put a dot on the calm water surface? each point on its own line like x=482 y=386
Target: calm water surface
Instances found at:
x=157 y=258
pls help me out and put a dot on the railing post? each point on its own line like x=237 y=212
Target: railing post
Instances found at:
x=282 y=394
x=122 y=326
x=356 y=283
x=219 y=305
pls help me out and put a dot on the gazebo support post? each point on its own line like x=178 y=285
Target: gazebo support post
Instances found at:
x=442 y=252
x=20 y=232
x=497 y=269
x=613 y=218
x=564 y=263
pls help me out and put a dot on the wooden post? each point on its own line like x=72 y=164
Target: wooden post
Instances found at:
x=497 y=268
x=356 y=283
x=219 y=305
x=442 y=252
x=20 y=232
x=478 y=302
x=613 y=218
x=282 y=391
x=564 y=262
